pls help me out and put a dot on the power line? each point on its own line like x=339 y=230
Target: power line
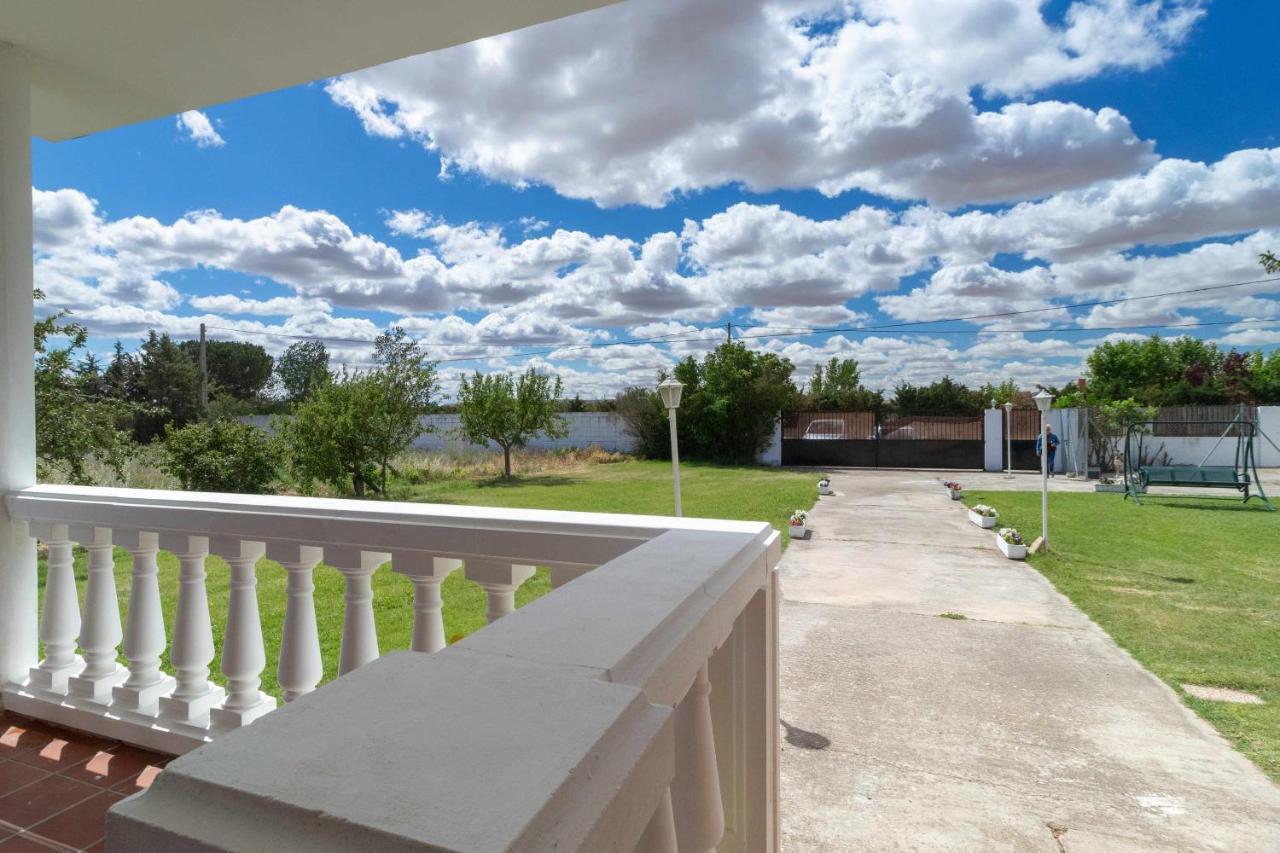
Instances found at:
x=704 y=335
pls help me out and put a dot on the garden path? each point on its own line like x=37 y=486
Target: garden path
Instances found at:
x=939 y=697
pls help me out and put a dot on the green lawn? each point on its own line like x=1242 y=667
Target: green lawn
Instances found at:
x=1190 y=587
x=632 y=487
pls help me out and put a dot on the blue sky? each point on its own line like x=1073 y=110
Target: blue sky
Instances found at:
x=732 y=160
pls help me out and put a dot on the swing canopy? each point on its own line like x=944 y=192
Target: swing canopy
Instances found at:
x=1242 y=475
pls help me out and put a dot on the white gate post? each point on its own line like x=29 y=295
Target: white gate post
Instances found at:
x=18 y=602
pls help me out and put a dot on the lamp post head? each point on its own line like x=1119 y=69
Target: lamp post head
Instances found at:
x=1043 y=400
x=1008 y=405
x=670 y=391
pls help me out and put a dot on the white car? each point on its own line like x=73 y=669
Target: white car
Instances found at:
x=826 y=428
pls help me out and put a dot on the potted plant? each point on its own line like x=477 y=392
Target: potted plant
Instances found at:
x=798 y=528
x=954 y=489
x=824 y=487
x=984 y=516
x=1010 y=543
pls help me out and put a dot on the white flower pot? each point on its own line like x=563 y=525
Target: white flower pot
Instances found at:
x=956 y=494
x=798 y=531
x=1013 y=552
x=983 y=521
x=825 y=490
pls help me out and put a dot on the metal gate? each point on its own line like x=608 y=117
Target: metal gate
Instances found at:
x=868 y=440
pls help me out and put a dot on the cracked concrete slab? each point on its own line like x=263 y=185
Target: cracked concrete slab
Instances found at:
x=1021 y=727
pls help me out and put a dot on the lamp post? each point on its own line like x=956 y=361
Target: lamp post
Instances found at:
x=1008 y=439
x=1043 y=400
x=670 y=391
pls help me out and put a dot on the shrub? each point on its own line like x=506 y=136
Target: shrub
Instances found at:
x=221 y=456
x=645 y=420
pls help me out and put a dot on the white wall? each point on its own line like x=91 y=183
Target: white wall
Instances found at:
x=603 y=429
x=1182 y=450
x=993 y=431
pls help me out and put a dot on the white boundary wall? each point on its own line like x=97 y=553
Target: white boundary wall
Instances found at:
x=1181 y=450
x=602 y=429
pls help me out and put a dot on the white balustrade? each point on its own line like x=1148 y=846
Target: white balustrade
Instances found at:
x=427 y=573
x=144 y=636
x=60 y=621
x=300 y=664
x=100 y=631
x=243 y=655
x=359 y=630
x=661 y=659
x=695 y=794
x=194 y=695
x=500 y=581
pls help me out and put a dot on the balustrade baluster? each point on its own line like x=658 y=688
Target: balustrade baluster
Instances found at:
x=500 y=581
x=427 y=574
x=144 y=636
x=60 y=619
x=695 y=792
x=192 y=650
x=660 y=833
x=359 y=630
x=243 y=656
x=301 y=666
x=100 y=631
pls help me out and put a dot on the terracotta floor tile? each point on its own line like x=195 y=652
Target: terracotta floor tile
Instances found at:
x=14 y=776
x=109 y=768
x=43 y=799
x=62 y=752
x=81 y=825
x=140 y=782
x=21 y=736
x=26 y=844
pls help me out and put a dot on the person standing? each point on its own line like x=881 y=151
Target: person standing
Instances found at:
x=1047 y=439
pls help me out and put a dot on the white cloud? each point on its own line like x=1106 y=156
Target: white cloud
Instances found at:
x=199 y=129
x=609 y=106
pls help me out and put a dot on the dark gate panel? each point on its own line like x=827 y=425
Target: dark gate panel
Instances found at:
x=1024 y=426
x=863 y=440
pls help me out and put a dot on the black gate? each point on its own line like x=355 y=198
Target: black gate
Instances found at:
x=1024 y=427
x=868 y=440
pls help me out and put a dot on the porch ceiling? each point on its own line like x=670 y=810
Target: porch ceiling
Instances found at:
x=97 y=65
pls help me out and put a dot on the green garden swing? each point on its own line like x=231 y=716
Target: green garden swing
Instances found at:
x=1241 y=476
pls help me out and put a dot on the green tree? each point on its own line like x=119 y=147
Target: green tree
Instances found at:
x=645 y=419
x=237 y=369
x=1270 y=262
x=407 y=384
x=943 y=397
x=838 y=386
x=72 y=426
x=328 y=437
x=732 y=400
x=167 y=388
x=221 y=456
x=121 y=377
x=509 y=411
x=303 y=368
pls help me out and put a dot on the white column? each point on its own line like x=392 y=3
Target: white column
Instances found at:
x=500 y=581
x=243 y=655
x=192 y=651
x=427 y=573
x=301 y=666
x=144 y=636
x=695 y=792
x=19 y=603
x=100 y=631
x=660 y=834
x=359 y=629
x=60 y=623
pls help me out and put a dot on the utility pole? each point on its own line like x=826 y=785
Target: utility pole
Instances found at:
x=204 y=375
x=728 y=328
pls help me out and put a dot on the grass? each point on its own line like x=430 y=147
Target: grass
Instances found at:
x=632 y=487
x=1189 y=586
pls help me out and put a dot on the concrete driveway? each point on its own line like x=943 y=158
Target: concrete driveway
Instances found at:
x=1019 y=727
